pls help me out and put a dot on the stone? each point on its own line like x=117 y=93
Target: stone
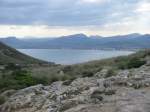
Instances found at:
x=120 y=93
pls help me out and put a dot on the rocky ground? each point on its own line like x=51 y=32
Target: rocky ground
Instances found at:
x=128 y=91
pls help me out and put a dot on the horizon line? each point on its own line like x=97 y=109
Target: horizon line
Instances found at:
x=38 y=37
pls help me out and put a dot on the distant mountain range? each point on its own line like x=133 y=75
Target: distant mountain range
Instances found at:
x=81 y=41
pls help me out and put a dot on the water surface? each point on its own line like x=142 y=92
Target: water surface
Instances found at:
x=66 y=56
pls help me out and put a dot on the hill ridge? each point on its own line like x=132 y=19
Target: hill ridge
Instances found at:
x=81 y=41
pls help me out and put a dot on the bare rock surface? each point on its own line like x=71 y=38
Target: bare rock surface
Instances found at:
x=128 y=91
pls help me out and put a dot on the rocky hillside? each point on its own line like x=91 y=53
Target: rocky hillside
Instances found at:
x=125 y=90
x=10 y=55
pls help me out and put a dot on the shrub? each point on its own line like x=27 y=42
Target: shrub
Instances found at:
x=8 y=84
x=42 y=80
x=122 y=65
x=2 y=100
x=135 y=63
x=110 y=72
x=67 y=69
x=54 y=78
x=24 y=78
x=129 y=63
x=12 y=66
x=87 y=74
x=64 y=77
x=97 y=95
x=17 y=80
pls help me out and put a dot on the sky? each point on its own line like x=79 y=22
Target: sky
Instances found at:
x=53 y=18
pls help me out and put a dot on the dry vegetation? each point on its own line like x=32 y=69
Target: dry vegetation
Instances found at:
x=13 y=77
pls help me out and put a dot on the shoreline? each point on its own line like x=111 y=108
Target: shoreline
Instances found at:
x=135 y=50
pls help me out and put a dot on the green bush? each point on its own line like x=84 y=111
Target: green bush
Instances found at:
x=42 y=80
x=111 y=72
x=2 y=100
x=58 y=77
x=8 y=84
x=17 y=80
x=87 y=74
x=54 y=78
x=67 y=69
x=64 y=77
x=135 y=63
x=24 y=78
x=129 y=63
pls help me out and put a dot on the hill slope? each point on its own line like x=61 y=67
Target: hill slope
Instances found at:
x=10 y=55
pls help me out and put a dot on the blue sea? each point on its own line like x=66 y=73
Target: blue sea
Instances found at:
x=69 y=56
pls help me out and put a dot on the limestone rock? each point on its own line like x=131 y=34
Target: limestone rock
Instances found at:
x=128 y=91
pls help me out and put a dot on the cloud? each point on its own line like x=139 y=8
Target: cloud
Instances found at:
x=120 y=15
x=61 y=12
x=143 y=7
x=93 y=1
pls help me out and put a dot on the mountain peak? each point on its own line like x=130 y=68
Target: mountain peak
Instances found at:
x=134 y=34
x=11 y=37
x=78 y=35
x=146 y=35
x=75 y=36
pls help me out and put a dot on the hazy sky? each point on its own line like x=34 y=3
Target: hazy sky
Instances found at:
x=48 y=18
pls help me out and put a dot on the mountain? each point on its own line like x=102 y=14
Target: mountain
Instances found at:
x=10 y=55
x=81 y=41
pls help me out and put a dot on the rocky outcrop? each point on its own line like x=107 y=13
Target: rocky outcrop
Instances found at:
x=128 y=91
